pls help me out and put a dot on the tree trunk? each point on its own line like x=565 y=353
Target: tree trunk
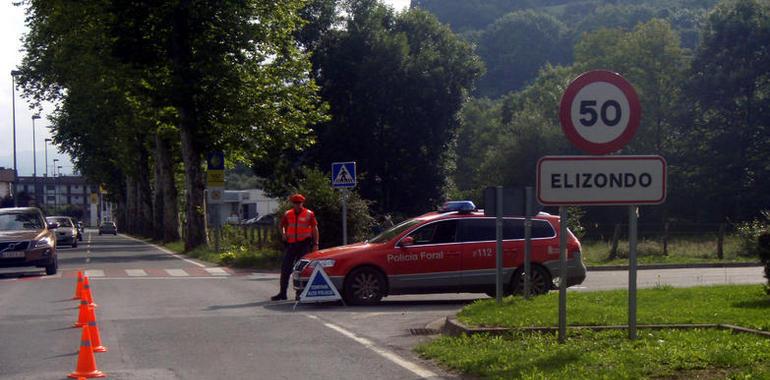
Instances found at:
x=144 y=195
x=130 y=205
x=195 y=227
x=157 y=220
x=170 y=211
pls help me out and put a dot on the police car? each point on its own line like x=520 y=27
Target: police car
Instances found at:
x=450 y=250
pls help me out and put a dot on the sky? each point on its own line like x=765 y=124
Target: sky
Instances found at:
x=12 y=29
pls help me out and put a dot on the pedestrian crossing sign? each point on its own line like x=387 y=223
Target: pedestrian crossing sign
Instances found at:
x=319 y=288
x=343 y=174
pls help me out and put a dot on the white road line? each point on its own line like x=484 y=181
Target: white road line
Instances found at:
x=412 y=367
x=177 y=273
x=158 y=278
x=164 y=250
x=94 y=273
x=217 y=271
x=136 y=273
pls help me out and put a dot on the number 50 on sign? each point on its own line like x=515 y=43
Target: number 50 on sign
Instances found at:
x=600 y=112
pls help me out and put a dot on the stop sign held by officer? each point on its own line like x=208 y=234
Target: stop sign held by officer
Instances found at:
x=299 y=229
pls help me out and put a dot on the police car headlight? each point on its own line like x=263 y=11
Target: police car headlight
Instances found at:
x=328 y=263
x=45 y=242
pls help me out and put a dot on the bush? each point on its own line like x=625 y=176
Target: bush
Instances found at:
x=763 y=247
x=749 y=232
x=327 y=205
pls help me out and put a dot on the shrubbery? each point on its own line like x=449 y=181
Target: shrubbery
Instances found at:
x=327 y=206
x=749 y=233
x=763 y=247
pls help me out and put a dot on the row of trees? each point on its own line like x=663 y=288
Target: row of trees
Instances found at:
x=145 y=89
x=141 y=86
x=705 y=112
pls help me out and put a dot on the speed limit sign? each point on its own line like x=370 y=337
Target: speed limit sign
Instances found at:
x=600 y=112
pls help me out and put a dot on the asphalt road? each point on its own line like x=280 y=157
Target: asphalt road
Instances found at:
x=163 y=316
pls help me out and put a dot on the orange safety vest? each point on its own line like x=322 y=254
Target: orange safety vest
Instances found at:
x=299 y=227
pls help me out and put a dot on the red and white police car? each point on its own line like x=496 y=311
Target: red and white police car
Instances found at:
x=451 y=250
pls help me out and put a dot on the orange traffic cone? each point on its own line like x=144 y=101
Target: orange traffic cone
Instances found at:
x=93 y=331
x=87 y=292
x=86 y=360
x=79 y=287
x=83 y=316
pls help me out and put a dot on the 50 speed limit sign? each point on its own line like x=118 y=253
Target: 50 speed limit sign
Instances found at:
x=600 y=112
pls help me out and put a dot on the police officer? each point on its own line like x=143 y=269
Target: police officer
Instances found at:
x=299 y=229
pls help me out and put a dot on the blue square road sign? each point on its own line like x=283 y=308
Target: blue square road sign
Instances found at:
x=343 y=174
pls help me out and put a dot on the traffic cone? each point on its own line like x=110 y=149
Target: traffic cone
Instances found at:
x=87 y=292
x=86 y=360
x=82 y=314
x=79 y=287
x=93 y=331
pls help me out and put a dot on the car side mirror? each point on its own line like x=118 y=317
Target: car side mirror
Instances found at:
x=53 y=226
x=405 y=242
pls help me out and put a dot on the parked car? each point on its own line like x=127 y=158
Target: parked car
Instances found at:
x=66 y=231
x=266 y=220
x=452 y=250
x=27 y=240
x=108 y=228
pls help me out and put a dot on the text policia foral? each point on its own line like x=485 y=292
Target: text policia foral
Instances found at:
x=599 y=180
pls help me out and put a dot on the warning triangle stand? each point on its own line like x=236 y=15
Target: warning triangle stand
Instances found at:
x=319 y=289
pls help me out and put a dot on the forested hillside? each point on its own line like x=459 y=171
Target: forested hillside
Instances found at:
x=701 y=68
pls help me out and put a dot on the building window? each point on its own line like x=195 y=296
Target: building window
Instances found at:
x=50 y=188
x=51 y=198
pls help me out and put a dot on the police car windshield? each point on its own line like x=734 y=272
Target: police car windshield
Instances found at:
x=393 y=231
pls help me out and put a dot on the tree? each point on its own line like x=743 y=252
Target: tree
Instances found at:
x=728 y=94
x=516 y=46
x=394 y=83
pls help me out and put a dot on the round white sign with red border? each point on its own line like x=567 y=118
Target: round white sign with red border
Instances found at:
x=600 y=112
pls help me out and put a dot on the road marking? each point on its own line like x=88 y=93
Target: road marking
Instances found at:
x=94 y=273
x=164 y=250
x=177 y=273
x=217 y=271
x=136 y=273
x=158 y=278
x=412 y=367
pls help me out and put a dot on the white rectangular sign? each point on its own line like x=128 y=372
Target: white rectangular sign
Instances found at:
x=601 y=180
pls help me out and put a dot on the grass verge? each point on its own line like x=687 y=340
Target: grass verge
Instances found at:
x=238 y=256
x=669 y=354
x=681 y=250
x=678 y=354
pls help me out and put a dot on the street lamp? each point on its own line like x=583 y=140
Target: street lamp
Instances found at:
x=34 y=157
x=45 y=181
x=56 y=192
x=55 y=185
x=14 y=73
x=46 y=156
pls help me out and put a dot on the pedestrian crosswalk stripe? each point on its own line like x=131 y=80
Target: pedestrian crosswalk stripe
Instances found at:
x=136 y=272
x=217 y=271
x=177 y=272
x=94 y=273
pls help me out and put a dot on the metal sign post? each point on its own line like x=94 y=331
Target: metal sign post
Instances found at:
x=345 y=195
x=499 y=246
x=344 y=178
x=527 y=240
x=633 y=217
x=562 y=274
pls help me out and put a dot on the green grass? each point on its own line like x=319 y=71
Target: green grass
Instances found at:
x=677 y=354
x=682 y=250
x=744 y=305
x=669 y=354
x=238 y=256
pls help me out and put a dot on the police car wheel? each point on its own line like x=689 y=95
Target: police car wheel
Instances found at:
x=364 y=286
x=540 y=281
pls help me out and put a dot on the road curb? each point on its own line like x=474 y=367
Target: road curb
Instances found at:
x=453 y=327
x=673 y=266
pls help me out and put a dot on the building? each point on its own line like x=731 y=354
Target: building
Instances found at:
x=6 y=182
x=240 y=205
x=70 y=194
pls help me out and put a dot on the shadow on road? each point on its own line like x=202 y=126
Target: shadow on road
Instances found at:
x=23 y=274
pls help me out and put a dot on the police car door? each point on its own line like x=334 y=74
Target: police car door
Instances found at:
x=479 y=262
x=431 y=262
